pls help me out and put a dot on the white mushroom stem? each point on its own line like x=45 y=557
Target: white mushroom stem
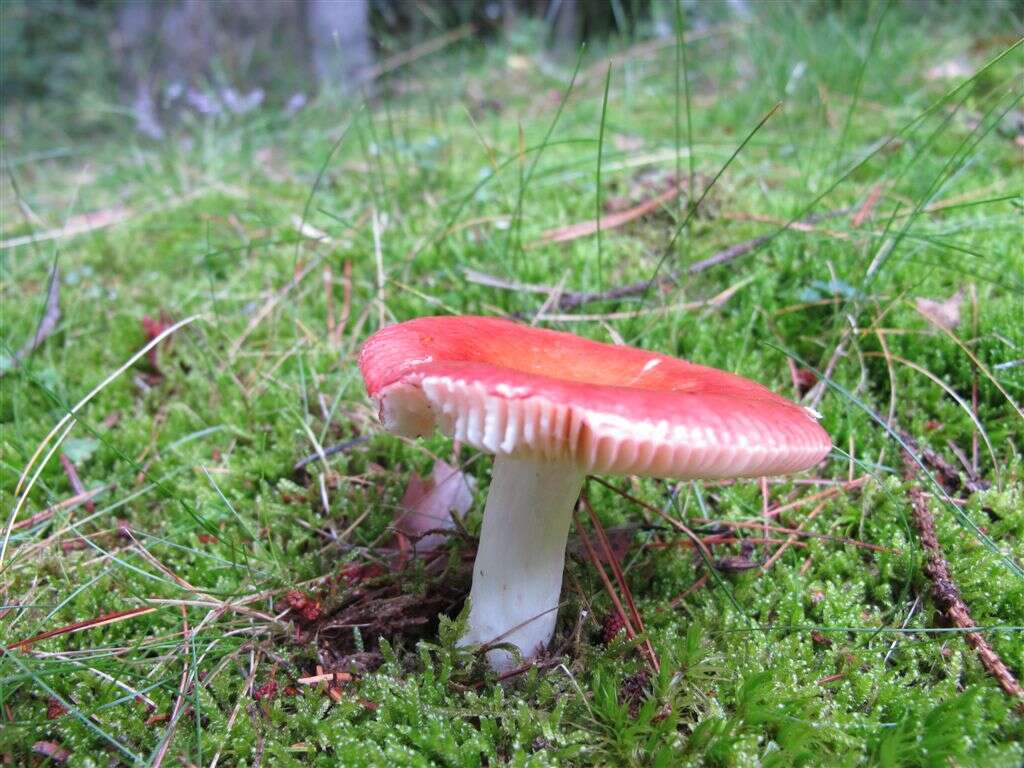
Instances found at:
x=517 y=576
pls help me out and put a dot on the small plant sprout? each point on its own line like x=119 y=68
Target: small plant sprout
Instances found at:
x=553 y=407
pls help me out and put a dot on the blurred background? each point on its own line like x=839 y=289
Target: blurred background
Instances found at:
x=156 y=63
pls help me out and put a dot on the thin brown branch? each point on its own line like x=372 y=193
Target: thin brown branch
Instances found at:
x=268 y=307
x=596 y=560
x=831 y=678
x=846 y=486
x=697 y=585
x=754 y=525
x=721 y=538
x=611 y=221
x=346 y=303
x=330 y=677
x=76 y=225
x=698 y=542
x=947 y=472
x=329 y=300
x=76 y=481
x=947 y=595
x=613 y=561
x=573 y=299
x=68 y=503
x=867 y=207
x=329 y=451
x=78 y=626
x=165 y=742
x=654 y=47
x=793 y=537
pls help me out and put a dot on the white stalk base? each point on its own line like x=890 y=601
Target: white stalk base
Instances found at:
x=517 y=576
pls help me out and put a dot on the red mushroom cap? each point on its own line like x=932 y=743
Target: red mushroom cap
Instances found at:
x=510 y=389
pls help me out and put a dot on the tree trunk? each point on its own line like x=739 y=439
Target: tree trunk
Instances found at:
x=341 y=50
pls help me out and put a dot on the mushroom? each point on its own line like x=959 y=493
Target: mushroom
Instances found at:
x=553 y=407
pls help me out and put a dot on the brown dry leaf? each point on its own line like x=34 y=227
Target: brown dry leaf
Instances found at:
x=946 y=313
x=427 y=504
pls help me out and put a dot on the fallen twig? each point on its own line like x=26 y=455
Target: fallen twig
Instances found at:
x=573 y=299
x=612 y=221
x=92 y=221
x=655 y=46
x=751 y=524
x=698 y=584
x=978 y=364
x=820 y=495
x=947 y=472
x=687 y=306
x=346 y=303
x=620 y=612
x=76 y=481
x=76 y=225
x=766 y=566
x=179 y=708
x=947 y=596
x=329 y=451
x=78 y=626
x=68 y=503
x=613 y=561
x=329 y=300
x=865 y=209
x=328 y=677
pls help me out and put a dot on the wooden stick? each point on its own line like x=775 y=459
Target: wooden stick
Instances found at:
x=947 y=596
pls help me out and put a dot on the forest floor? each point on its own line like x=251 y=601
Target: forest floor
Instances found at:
x=180 y=584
